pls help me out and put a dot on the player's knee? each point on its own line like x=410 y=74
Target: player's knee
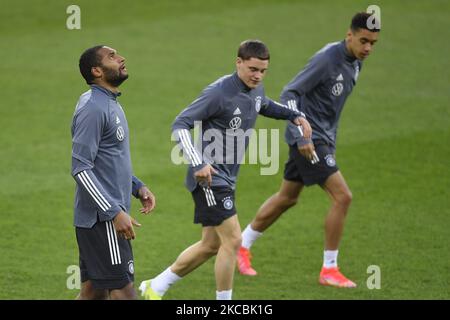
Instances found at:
x=345 y=199
x=89 y=292
x=125 y=293
x=211 y=248
x=233 y=243
x=237 y=242
x=287 y=201
x=94 y=295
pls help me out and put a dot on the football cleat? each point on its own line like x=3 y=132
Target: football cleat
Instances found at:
x=244 y=264
x=333 y=277
x=147 y=292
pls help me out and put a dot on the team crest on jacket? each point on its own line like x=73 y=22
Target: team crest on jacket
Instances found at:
x=120 y=133
x=131 y=267
x=227 y=203
x=337 y=89
x=329 y=159
x=258 y=103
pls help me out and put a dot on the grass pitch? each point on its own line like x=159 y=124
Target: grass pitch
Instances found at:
x=392 y=146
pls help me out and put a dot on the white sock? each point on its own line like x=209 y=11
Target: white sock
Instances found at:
x=224 y=295
x=161 y=283
x=330 y=258
x=249 y=236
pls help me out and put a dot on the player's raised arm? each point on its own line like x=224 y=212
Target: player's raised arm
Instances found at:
x=297 y=119
x=276 y=110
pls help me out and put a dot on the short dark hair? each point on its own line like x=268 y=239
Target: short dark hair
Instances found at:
x=359 y=21
x=88 y=60
x=253 y=49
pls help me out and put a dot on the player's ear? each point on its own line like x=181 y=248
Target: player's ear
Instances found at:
x=96 y=72
x=239 y=64
x=349 y=34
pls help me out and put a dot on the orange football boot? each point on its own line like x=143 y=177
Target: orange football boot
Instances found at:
x=333 y=277
x=244 y=264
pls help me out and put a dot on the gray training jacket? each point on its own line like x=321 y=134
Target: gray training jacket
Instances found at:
x=320 y=91
x=101 y=163
x=227 y=109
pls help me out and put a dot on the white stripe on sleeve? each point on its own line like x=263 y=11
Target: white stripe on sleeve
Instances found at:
x=95 y=188
x=294 y=105
x=188 y=148
x=91 y=192
x=187 y=136
x=281 y=105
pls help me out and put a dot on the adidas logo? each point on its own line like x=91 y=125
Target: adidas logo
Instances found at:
x=117 y=120
x=237 y=111
x=340 y=77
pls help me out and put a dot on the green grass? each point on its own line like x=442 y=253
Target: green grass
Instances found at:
x=392 y=148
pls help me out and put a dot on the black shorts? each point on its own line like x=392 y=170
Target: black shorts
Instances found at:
x=300 y=169
x=105 y=258
x=213 y=205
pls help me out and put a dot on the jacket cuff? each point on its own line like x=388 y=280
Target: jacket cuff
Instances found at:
x=303 y=141
x=296 y=115
x=110 y=214
x=199 y=167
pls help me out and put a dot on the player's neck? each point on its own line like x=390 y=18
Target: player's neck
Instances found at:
x=107 y=86
x=348 y=50
x=241 y=82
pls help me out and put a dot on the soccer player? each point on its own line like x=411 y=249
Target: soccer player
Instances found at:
x=227 y=108
x=101 y=166
x=320 y=91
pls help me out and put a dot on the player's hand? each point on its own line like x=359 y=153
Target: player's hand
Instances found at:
x=306 y=127
x=309 y=153
x=147 y=199
x=205 y=174
x=124 y=225
x=134 y=222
